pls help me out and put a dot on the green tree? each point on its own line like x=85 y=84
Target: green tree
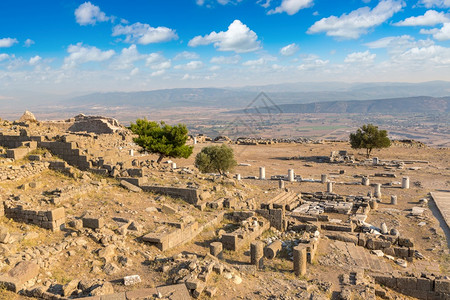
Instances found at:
x=369 y=137
x=161 y=138
x=215 y=159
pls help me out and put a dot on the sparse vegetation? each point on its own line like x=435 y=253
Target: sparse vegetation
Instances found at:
x=161 y=138
x=215 y=159
x=369 y=137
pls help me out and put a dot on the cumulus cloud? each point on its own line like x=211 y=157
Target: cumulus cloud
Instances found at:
x=79 y=54
x=186 y=55
x=291 y=7
x=144 y=34
x=192 y=65
x=360 y=57
x=89 y=14
x=289 y=50
x=435 y=3
x=442 y=34
x=225 y=60
x=34 y=60
x=434 y=54
x=312 y=62
x=259 y=62
x=357 y=22
x=264 y=3
x=7 y=42
x=430 y=18
x=28 y=43
x=238 y=38
x=127 y=58
x=3 y=56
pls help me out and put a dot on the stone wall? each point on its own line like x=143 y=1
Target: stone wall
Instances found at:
x=69 y=152
x=424 y=287
x=19 y=172
x=52 y=219
x=243 y=236
x=188 y=195
x=276 y=217
x=177 y=236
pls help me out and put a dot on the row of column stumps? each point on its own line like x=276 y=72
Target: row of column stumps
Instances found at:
x=365 y=181
x=258 y=252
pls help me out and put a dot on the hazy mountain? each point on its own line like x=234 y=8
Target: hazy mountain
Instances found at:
x=421 y=104
x=289 y=93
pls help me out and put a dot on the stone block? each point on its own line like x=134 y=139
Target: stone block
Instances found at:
x=131 y=280
x=442 y=286
x=167 y=209
x=405 y=242
x=17 y=276
x=93 y=223
x=130 y=186
x=142 y=294
x=56 y=214
x=406 y=283
x=424 y=284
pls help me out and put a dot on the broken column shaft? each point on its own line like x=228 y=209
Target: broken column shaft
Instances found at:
x=300 y=260
x=262 y=173
x=257 y=254
x=272 y=250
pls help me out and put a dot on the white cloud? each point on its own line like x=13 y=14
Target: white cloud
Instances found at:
x=289 y=50
x=7 y=42
x=162 y=65
x=158 y=73
x=264 y=3
x=435 y=3
x=214 y=68
x=291 y=7
x=127 y=58
x=225 y=60
x=154 y=58
x=256 y=62
x=3 y=56
x=238 y=38
x=222 y=2
x=434 y=54
x=192 y=65
x=79 y=54
x=34 y=60
x=135 y=71
x=430 y=18
x=28 y=43
x=312 y=62
x=357 y=22
x=144 y=34
x=360 y=57
x=442 y=34
x=89 y=14
x=186 y=55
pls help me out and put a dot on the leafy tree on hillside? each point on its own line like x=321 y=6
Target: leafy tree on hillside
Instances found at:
x=161 y=138
x=369 y=137
x=215 y=159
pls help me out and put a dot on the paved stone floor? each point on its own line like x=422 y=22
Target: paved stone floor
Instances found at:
x=442 y=200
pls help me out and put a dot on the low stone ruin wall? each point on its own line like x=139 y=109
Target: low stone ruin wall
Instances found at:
x=48 y=219
x=180 y=234
x=276 y=217
x=19 y=172
x=69 y=152
x=189 y=195
x=252 y=228
x=424 y=287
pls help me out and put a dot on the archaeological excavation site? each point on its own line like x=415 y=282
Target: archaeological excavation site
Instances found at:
x=87 y=213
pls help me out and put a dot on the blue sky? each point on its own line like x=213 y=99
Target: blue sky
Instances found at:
x=67 y=46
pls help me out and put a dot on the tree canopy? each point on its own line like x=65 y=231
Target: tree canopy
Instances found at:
x=161 y=138
x=369 y=137
x=215 y=159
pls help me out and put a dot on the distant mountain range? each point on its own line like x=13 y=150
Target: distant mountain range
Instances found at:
x=420 y=104
x=236 y=98
x=230 y=98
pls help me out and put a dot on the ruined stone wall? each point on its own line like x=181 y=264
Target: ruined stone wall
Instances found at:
x=19 y=172
x=179 y=236
x=48 y=219
x=427 y=287
x=276 y=217
x=69 y=152
x=188 y=195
